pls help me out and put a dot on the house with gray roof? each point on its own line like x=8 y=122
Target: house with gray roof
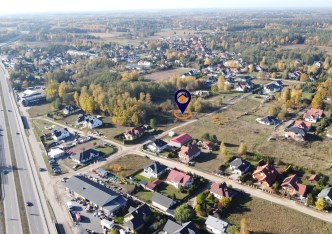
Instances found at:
x=268 y=120
x=239 y=166
x=137 y=218
x=327 y=195
x=59 y=134
x=162 y=202
x=215 y=225
x=106 y=199
x=172 y=227
x=85 y=156
x=155 y=169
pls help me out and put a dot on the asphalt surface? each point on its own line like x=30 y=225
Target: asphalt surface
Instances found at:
x=35 y=213
x=9 y=196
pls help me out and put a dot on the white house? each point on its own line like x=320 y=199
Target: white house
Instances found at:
x=157 y=146
x=313 y=115
x=89 y=121
x=239 y=166
x=215 y=225
x=327 y=195
x=59 y=134
x=55 y=153
x=155 y=169
x=70 y=109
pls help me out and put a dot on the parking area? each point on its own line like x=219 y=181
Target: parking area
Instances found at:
x=90 y=219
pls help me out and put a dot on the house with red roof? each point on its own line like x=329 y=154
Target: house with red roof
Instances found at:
x=153 y=185
x=180 y=140
x=314 y=178
x=134 y=133
x=208 y=145
x=292 y=185
x=306 y=126
x=266 y=174
x=188 y=153
x=179 y=179
x=313 y=115
x=221 y=190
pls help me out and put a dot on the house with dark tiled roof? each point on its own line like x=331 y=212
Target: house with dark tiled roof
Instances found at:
x=155 y=169
x=266 y=174
x=296 y=133
x=239 y=166
x=292 y=185
x=220 y=190
x=275 y=86
x=268 y=120
x=134 y=133
x=172 y=227
x=179 y=179
x=89 y=121
x=157 y=146
x=70 y=109
x=85 y=156
x=312 y=115
x=59 y=134
x=188 y=153
x=137 y=218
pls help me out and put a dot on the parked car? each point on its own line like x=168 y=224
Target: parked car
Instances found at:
x=51 y=161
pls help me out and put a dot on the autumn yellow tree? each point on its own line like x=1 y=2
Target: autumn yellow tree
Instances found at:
x=242 y=149
x=221 y=83
x=52 y=90
x=304 y=77
x=244 y=227
x=76 y=98
x=321 y=204
x=281 y=66
x=63 y=88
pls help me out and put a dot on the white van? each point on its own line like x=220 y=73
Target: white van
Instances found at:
x=70 y=206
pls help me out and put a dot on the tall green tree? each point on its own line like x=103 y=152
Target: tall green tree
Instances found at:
x=184 y=213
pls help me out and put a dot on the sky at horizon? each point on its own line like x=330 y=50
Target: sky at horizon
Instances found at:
x=45 y=6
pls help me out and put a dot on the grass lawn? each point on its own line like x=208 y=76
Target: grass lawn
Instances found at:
x=40 y=110
x=265 y=217
x=307 y=96
x=130 y=164
x=316 y=155
x=232 y=127
x=139 y=178
x=107 y=150
x=144 y=196
x=39 y=127
x=170 y=190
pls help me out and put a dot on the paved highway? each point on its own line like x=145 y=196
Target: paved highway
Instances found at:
x=11 y=209
x=36 y=214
